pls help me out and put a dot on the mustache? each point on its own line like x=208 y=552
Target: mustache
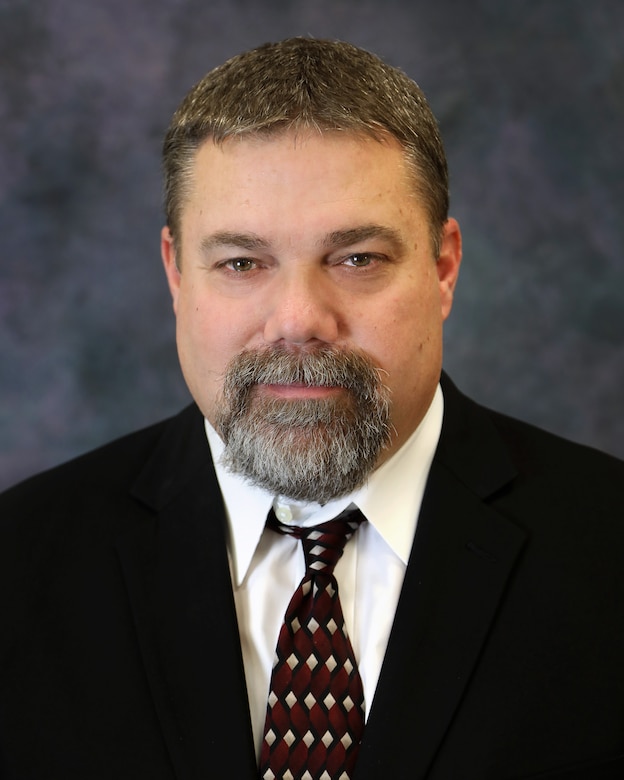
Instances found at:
x=322 y=366
x=312 y=449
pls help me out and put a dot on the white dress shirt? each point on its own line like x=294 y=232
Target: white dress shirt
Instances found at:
x=266 y=568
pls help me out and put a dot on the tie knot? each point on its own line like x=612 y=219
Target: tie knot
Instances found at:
x=323 y=544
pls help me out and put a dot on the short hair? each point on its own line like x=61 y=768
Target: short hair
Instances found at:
x=302 y=84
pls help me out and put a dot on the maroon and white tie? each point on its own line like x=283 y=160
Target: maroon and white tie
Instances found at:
x=315 y=712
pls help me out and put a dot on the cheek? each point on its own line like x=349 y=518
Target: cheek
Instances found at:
x=211 y=331
x=381 y=334
x=196 y=334
x=403 y=336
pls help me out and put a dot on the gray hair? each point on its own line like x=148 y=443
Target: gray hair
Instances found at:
x=308 y=84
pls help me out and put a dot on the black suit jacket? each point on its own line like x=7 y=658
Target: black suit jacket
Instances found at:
x=119 y=649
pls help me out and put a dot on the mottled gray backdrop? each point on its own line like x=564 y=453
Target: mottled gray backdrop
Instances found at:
x=530 y=96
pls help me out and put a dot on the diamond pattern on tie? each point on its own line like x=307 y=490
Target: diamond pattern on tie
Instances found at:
x=315 y=712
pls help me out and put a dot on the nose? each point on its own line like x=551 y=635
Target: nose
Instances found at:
x=303 y=308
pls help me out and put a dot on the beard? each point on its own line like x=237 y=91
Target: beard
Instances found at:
x=310 y=449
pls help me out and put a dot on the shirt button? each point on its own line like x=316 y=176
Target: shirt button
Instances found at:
x=283 y=514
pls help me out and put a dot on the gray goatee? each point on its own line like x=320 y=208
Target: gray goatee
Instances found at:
x=312 y=449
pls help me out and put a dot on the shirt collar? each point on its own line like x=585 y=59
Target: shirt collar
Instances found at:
x=390 y=500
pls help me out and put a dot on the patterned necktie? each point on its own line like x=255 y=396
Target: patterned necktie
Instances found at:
x=315 y=712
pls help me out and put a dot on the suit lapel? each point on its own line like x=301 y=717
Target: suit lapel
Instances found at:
x=462 y=558
x=178 y=581
x=176 y=569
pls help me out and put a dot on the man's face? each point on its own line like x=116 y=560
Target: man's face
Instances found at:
x=301 y=242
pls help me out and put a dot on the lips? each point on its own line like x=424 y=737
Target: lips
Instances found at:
x=296 y=390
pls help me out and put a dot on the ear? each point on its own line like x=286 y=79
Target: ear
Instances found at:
x=448 y=264
x=170 y=261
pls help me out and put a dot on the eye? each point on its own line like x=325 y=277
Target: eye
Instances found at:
x=241 y=264
x=360 y=260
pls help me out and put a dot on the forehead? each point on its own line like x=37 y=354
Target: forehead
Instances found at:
x=301 y=165
x=297 y=190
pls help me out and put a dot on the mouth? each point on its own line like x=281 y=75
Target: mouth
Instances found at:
x=298 y=391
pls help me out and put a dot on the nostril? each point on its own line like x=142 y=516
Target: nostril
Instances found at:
x=298 y=319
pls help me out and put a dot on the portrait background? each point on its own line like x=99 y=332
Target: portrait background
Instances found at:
x=530 y=98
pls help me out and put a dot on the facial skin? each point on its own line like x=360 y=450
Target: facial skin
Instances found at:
x=308 y=240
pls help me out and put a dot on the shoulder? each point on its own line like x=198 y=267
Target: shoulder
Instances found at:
x=542 y=461
x=463 y=414
x=533 y=446
x=108 y=470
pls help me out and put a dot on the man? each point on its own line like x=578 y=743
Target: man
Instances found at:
x=312 y=262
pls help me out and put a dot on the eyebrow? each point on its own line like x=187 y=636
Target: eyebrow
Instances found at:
x=249 y=241
x=342 y=238
x=252 y=242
